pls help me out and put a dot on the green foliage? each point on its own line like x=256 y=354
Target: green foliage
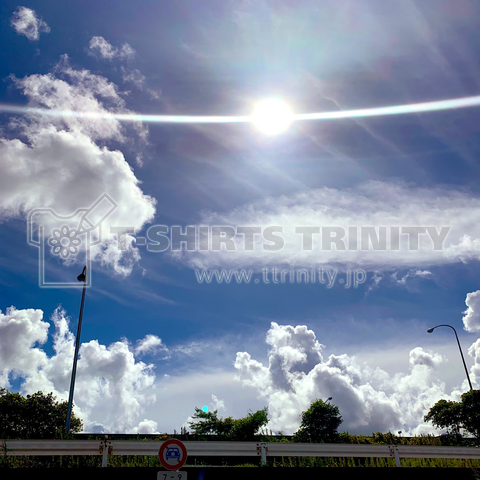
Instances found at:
x=454 y=416
x=34 y=416
x=446 y=414
x=245 y=428
x=241 y=429
x=319 y=423
x=471 y=412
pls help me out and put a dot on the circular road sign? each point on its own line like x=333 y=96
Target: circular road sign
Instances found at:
x=172 y=454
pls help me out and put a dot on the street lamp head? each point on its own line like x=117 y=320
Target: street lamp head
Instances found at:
x=329 y=398
x=430 y=330
x=82 y=277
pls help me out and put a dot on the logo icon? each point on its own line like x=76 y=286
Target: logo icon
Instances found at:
x=66 y=234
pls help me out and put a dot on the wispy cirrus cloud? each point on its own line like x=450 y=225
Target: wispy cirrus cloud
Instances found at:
x=135 y=77
x=26 y=22
x=102 y=48
x=373 y=204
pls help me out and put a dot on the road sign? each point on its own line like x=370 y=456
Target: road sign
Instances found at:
x=168 y=475
x=172 y=455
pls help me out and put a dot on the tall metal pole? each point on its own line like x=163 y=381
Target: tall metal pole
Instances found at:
x=430 y=330
x=81 y=278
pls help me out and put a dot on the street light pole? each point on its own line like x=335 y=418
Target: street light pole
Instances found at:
x=430 y=330
x=81 y=278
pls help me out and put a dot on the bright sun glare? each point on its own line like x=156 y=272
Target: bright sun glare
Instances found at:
x=272 y=116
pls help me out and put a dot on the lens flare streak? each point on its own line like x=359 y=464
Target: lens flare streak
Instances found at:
x=365 y=112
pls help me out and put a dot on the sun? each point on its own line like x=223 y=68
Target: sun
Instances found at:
x=272 y=116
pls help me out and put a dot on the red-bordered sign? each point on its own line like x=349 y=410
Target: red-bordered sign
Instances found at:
x=172 y=454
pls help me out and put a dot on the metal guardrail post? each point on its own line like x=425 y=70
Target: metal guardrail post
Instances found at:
x=262 y=450
x=394 y=453
x=106 y=450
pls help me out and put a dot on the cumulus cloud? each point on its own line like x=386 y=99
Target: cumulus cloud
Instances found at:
x=102 y=48
x=112 y=387
x=151 y=344
x=471 y=317
x=146 y=427
x=64 y=163
x=26 y=22
x=474 y=351
x=21 y=331
x=369 y=399
x=374 y=204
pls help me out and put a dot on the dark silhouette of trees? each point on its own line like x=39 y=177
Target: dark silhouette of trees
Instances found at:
x=240 y=429
x=34 y=416
x=319 y=423
x=446 y=414
x=454 y=416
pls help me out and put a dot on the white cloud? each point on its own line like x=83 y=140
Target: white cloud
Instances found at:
x=471 y=317
x=368 y=399
x=151 y=344
x=146 y=427
x=192 y=349
x=63 y=162
x=474 y=351
x=135 y=77
x=100 y=47
x=372 y=204
x=26 y=22
x=217 y=404
x=21 y=331
x=112 y=387
x=410 y=274
x=114 y=391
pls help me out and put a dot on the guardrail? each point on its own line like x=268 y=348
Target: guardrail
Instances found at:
x=237 y=449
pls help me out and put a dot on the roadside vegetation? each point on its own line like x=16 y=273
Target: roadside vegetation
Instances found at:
x=40 y=416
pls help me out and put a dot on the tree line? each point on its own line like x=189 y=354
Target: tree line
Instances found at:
x=41 y=416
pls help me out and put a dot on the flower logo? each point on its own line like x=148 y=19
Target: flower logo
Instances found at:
x=64 y=241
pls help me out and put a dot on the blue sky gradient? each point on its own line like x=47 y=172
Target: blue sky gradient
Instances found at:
x=221 y=58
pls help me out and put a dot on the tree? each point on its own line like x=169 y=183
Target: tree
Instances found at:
x=454 y=416
x=471 y=412
x=446 y=414
x=240 y=429
x=34 y=416
x=319 y=423
x=245 y=428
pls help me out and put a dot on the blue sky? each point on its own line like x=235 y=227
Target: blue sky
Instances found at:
x=222 y=58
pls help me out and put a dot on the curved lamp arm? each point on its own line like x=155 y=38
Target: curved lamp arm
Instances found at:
x=430 y=330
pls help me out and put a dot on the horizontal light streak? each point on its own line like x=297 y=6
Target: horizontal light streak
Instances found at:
x=438 y=105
